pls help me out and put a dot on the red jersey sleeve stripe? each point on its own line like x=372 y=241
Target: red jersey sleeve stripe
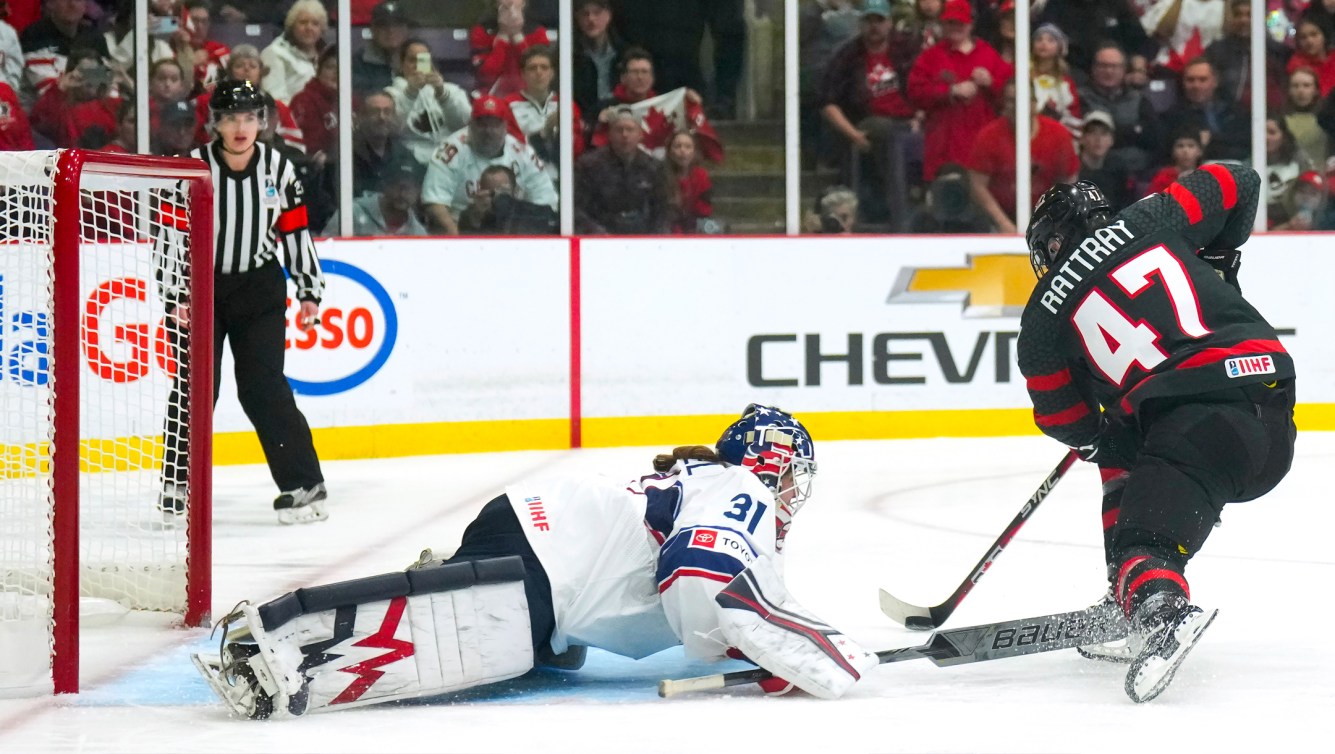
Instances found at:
x=293 y=219
x=1188 y=202
x=1226 y=183
x=1213 y=355
x=1049 y=381
x=1073 y=414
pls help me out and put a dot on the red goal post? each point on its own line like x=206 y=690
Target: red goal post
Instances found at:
x=98 y=385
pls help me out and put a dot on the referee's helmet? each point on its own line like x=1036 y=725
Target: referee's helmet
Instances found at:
x=233 y=96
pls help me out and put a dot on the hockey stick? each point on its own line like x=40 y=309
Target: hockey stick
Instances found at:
x=928 y=618
x=960 y=646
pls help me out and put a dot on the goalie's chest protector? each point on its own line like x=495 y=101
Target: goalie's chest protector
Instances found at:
x=590 y=535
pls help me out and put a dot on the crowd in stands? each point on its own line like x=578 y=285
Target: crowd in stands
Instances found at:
x=911 y=103
x=441 y=142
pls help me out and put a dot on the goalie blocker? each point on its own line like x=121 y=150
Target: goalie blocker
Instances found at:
x=422 y=632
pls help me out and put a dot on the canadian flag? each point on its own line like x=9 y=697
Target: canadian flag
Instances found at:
x=665 y=114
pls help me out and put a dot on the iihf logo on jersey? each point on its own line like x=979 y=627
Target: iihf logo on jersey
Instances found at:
x=1249 y=365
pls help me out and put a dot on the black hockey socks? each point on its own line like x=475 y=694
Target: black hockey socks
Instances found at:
x=1141 y=575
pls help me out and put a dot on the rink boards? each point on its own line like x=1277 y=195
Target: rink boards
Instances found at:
x=434 y=345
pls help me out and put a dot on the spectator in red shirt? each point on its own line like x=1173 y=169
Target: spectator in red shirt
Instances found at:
x=126 y=136
x=210 y=57
x=497 y=43
x=1186 y=157
x=956 y=83
x=315 y=107
x=694 y=192
x=1313 y=52
x=15 y=133
x=991 y=162
x=77 y=102
x=863 y=102
x=637 y=85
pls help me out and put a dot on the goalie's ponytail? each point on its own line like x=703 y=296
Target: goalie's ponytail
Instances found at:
x=663 y=462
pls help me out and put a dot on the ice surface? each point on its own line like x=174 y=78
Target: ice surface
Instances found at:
x=910 y=516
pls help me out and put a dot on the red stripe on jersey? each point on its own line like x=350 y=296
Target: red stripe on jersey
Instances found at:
x=1049 y=381
x=293 y=219
x=1213 y=355
x=1110 y=518
x=1226 y=183
x=696 y=572
x=1188 y=202
x=1073 y=414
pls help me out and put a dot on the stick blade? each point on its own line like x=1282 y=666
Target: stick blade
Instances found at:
x=909 y=616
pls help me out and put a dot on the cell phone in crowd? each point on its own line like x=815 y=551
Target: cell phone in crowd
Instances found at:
x=163 y=26
x=424 y=62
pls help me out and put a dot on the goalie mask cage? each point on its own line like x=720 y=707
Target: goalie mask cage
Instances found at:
x=92 y=246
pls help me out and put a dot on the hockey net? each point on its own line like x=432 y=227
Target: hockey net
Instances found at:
x=92 y=368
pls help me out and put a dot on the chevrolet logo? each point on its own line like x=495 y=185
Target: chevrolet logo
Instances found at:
x=993 y=285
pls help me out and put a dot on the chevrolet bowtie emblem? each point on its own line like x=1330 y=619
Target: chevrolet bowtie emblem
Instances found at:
x=992 y=285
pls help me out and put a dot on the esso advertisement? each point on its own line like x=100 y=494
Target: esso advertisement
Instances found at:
x=357 y=329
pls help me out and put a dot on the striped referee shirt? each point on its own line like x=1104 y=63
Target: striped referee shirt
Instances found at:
x=254 y=211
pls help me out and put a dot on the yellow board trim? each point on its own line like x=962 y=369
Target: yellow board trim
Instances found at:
x=395 y=440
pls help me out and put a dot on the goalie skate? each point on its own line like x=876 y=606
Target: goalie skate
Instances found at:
x=1170 y=627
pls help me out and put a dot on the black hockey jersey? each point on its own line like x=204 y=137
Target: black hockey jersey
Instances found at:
x=1132 y=313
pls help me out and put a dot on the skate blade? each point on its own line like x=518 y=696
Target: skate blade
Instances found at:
x=211 y=670
x=306 y=514
x=1187 y=635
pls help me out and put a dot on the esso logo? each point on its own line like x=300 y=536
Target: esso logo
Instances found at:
x=356 y=334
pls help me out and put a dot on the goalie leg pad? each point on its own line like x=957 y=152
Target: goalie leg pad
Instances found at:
x=759 y=618
x=400 y=635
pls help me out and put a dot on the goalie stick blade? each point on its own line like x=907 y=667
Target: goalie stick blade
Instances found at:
x=909 y=616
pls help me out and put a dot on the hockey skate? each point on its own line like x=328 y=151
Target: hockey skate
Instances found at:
x=172 y=503
x=254 y=676
x=1168 y=627
x=1121 y=651
x=301 y=506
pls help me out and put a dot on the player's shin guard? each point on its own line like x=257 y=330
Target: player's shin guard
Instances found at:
x=761 y=620
x=422 y=632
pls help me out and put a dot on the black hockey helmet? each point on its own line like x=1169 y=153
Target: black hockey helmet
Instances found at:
x=233 y=96
x=1064 y=216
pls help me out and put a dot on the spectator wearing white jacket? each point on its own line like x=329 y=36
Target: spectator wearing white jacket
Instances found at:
x=291 y=59
x=429 y=107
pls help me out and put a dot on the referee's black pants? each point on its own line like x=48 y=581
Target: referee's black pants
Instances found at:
x=249 y=309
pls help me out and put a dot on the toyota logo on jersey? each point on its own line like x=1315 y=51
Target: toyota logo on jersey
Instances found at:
x=704 y=538
x=353 y=339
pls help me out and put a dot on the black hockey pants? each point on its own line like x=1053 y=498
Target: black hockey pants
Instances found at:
x=1197 y=454
x=496 y=533
x=249 y=310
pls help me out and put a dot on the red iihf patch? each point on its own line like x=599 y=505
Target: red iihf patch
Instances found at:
x=704 y=538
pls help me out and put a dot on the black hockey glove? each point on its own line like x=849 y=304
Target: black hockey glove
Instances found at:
x=1226 y=263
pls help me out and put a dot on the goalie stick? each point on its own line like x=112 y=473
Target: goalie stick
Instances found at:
x=928 y=618
x=960 y=646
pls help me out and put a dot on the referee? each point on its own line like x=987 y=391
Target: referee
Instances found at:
x=258 y=215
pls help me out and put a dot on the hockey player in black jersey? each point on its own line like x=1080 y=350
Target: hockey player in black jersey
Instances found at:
x=1139 y=351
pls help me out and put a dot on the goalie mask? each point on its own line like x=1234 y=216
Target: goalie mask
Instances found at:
x=776 y=448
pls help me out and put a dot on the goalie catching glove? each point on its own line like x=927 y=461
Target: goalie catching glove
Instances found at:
x=760 y=619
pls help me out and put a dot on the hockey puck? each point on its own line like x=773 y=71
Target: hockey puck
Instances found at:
x=919 y=623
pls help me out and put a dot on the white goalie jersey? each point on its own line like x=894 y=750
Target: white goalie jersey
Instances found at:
x=634 y=568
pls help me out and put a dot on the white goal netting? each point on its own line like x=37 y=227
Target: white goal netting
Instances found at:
x=132 y=248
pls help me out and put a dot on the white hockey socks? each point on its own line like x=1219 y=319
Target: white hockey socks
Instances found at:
x=422 y=632
x=760 y=619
